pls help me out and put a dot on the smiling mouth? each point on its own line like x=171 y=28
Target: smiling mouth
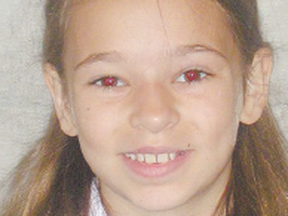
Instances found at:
x=154 y=158
x=150 y=165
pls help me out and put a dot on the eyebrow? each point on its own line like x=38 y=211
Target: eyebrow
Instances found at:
x=111 y=57
x=186 y=49
x=114 y=56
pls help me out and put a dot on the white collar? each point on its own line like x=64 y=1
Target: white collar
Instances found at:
x=96 y=206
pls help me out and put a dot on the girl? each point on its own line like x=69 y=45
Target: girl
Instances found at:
x=160 y=109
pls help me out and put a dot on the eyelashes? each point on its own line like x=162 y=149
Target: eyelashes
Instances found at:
x=108 y=82
x=190 y=76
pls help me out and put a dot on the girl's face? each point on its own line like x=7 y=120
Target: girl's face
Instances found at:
x=154 y=94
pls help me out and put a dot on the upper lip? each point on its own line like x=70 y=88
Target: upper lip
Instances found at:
x=154 y=150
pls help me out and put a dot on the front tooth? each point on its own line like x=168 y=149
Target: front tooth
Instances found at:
x=150 y=158
x=162 y=158
x=140 y=158
x=172 y=156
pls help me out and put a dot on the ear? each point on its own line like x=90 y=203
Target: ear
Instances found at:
x=257 y=89
x=60 y=99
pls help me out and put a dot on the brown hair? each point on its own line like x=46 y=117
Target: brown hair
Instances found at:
x=54 y=178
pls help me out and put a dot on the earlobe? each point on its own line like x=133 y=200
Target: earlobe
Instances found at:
x=60 y=100
x=257 y=88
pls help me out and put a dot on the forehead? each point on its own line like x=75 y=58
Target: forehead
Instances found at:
x=146 y=26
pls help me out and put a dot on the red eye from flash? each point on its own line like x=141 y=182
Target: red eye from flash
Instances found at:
x=109 y=81
x=192 y=75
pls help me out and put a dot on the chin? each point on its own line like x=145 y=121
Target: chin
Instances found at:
x=159 y=201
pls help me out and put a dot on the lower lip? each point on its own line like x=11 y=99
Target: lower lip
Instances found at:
x=156 y=170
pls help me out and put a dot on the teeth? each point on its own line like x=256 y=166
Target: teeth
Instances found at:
x=152 y=158
x=131 y=156
x=163 y=158
x=140 y=157
x=172 y=156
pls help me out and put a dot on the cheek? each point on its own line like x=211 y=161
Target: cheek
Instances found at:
x=95 y=123
x=214 y=138
x=99 y=122
x=220 y=110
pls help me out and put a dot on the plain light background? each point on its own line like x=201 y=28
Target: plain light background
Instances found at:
x=24 y=101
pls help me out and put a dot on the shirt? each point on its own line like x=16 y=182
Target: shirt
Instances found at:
x=96 y=206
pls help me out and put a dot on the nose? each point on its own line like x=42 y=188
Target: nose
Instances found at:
x=154 y=111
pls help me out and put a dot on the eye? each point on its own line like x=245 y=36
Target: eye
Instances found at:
x=190 y=76
x=108 y=81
